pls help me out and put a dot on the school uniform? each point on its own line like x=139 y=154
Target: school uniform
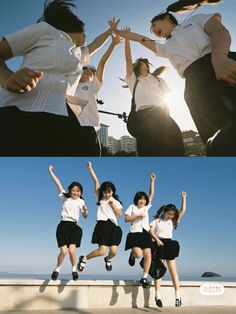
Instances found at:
x=106 y=231
x=158 y=134
x=211 y=102
x=164 y=230
x=84 y=106
x=68 y=232
x=139 y=230
x=38 y=122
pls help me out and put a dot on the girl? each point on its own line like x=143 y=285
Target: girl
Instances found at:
x=68 y=233
x=35 y=94
x=139 y=239
x=166 y=220
x=199 y=50
x=157 y=132
x=84 y=104
x=106 y=233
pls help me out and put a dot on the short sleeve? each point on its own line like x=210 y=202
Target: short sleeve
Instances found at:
x=153 y=223
x=118 y=204
x=24 y=40
x=148 y=206
x=165 y=88
x=201 y=19
x=130 y=82
x=61 y=195
x=85 y=56
x=160 y=50
x=96 y=85
x=129 y=211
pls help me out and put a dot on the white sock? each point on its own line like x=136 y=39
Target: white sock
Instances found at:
x=84 y=259
x=74 y=268
x=57 y=268
x=145 y=275
x=177 y=294
x=157 y=294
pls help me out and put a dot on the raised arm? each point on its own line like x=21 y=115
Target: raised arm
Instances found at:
x=128 y=56
x=55 y=179
x=183 y=205
x=152 y=184
x=100 y=40
x=145 y=41
x=100 y=68
x=94 y=177
x=224 y=67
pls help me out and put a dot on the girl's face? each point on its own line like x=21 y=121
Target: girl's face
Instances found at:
x=75 y=192
x=163 y=28
x=87 y=75
x=141 y=202
x=144 y=68
x=107 y=194
x=169 y=214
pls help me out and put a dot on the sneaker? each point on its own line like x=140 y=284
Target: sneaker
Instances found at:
x=54 y=275
x=131 y=259
x=145 y=283
x=178 y=302
x=158 y=302
x=75 y=275
x=108 y=264
x=81 y=263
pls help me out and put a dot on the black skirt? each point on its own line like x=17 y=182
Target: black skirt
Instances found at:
x=169 y=251
x=45 y=134
x=142 y=240
x=67 y=233
x=212 y=102
x=106 y=233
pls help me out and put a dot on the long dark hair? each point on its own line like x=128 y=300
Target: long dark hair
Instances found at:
x=165 y=208
x=58 y=13
x=140 y=195
x=107 y=186
x=137 y=64
x=70 y=187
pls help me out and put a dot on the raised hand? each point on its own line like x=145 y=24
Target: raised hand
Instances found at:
x=113 y=23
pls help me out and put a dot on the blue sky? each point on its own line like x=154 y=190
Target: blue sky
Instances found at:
x=30 y=210
x=15 y=14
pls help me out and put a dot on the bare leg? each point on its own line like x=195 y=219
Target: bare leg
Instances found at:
x=72 y=248
x=99 y=252
x=137 y=252
x=112 y=252
x=171 y=264
x=147 y=260
x=62 y=254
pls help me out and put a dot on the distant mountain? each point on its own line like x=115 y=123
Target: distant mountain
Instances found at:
x=210 y=274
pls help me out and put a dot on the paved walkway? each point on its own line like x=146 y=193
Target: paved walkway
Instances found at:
x=167 y=310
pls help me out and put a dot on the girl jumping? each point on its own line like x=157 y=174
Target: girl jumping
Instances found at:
x=139 y=239
x=106 y=233
x=68 y=233
x=166 y=220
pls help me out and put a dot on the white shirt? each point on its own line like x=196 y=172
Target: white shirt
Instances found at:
x=142 y=223
x=188 y=42
x=149 y=92
x=163 y=228
x=51 y=51
x=84 y=103
x=105 y=212
x=71 y=208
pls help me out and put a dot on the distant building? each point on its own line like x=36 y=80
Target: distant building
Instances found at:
x=125 y=143
x=193 y=144
x=103 y=134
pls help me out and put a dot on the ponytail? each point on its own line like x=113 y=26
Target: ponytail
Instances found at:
x=184 y=6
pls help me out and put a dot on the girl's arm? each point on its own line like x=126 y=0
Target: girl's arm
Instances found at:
x=94 y=177
x=99 y=41
x=20 y=81
x=85 y=211
x=128 y=56
x=134 y=217
x=55 y=179
x=155 y=237
x=183 y=205
x=118 y=211
x=100 y=68
x=224 y=67
x=145 y=41
x=151 y=190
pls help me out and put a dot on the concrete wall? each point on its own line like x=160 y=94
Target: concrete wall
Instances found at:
x=18 y=294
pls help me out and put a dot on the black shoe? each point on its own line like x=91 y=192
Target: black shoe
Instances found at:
x=108 y=264
x=81 y=263
x=75 y=275
x=54 y=275
x=178 y=302
x=158 y=302
x=131 y=259
x=145 y=283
